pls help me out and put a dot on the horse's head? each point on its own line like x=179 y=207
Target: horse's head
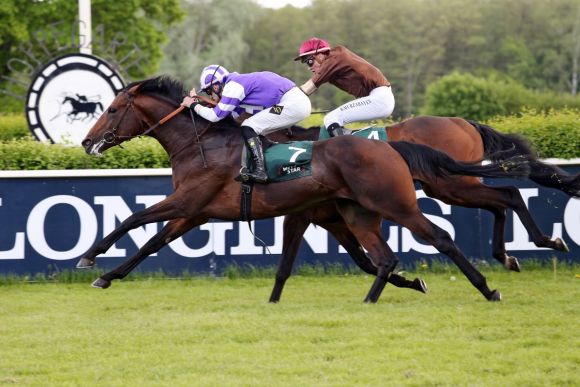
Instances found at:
x=132 y=111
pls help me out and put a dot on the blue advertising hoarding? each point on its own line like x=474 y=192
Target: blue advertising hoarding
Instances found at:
x=50 y=218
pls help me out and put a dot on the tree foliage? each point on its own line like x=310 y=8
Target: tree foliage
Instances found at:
x=32 y=32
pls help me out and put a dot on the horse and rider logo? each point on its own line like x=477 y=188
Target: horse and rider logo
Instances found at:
x=68 y=95
x=80 y=108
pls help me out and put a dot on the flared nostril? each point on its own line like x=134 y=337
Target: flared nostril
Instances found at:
x=87 y=142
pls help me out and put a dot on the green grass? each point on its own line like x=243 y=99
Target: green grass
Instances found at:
x=222 y=332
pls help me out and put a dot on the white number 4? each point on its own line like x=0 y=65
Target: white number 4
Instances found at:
x=296 y=154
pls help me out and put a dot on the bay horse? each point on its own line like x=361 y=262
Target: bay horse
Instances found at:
x=463 y=140
x=366 y=180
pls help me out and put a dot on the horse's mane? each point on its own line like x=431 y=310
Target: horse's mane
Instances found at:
x=162 y=85
x=170 y=88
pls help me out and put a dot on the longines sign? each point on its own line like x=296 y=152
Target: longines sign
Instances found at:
x=50 y=222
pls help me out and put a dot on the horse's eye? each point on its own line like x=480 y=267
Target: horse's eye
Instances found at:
x=112 y=110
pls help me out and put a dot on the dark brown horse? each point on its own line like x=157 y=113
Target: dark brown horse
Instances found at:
x=463 y=140
x=367 y=180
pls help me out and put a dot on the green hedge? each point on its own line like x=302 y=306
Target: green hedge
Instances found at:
x=30 y=154
x=465 y=95
x=553 y=134
x=13 y=126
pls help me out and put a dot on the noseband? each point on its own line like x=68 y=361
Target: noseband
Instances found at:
x=111 y=136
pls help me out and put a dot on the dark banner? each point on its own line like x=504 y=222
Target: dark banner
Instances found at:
x=47 y=223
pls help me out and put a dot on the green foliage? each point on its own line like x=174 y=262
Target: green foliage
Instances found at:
x=555 y=133
x=13 y=126
x=478 y=98
x=462 y=95
x=33 y=155
x=33 y=32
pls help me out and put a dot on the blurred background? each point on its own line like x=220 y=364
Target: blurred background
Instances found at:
x=472 y=58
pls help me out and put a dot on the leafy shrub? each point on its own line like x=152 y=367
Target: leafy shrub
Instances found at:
x=13 y=126
x=555 y=133
x=33 y=155
x=468 y=96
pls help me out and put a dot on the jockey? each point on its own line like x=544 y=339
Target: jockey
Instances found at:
x=351 y=73
x=272 y=101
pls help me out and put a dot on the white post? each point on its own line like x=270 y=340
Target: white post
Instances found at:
x=85 y=28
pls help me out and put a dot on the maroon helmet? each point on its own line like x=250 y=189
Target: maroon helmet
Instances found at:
x=312 y=46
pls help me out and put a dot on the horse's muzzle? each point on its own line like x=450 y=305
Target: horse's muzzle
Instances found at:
x=87 y=142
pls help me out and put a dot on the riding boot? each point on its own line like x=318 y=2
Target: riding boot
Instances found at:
x=335 y=130
x=259 y=174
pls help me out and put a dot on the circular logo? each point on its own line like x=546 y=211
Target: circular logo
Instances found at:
x=68 y=95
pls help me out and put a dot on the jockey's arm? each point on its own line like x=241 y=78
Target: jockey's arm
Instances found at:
x=308 y=88
x=232 y=95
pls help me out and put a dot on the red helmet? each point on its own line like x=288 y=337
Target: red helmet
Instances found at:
x=312 y=46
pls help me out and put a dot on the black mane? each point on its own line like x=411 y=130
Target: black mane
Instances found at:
x=162 y=85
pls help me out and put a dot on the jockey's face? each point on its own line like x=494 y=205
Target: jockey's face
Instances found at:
x=214 y=91
x=313 y=61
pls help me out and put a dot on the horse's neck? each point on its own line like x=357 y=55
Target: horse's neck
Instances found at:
x=185 y=142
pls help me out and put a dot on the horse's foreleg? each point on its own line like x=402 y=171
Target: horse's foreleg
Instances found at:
x=165 y=210
x=173 y=230
x=294 y=227
x=366 y=227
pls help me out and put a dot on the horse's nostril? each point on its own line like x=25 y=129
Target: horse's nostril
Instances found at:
x=87 y=142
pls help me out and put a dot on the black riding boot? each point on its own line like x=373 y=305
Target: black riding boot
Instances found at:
x=259 y=174
x=335 y=130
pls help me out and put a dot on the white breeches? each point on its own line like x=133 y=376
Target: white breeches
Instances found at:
x=295 y=107
x=379 y=104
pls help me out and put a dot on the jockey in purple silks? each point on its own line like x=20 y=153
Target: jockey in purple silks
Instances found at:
x=263 y=101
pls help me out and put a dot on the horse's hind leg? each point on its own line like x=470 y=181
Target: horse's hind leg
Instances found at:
x=469 y=192
x=366 y=227
x=346 y=238
x=294 y=228
x=173 y=230
x=442 y=241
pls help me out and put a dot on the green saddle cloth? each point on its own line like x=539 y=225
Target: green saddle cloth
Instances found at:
x=288 y=161
x=373 y=133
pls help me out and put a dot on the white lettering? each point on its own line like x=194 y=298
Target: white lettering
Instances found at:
x=521 y=237
x=408 y=241
x=115 y=208
x=87 y=232
x=17 y=251
x=572 y=220
x=216 y=242
x=246 y=241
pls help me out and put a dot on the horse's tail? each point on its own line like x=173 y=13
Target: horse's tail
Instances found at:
x=498 y=146
x=425 y=163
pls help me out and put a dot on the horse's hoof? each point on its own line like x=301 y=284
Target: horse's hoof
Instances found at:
x=368 y=300
x=495 y=296
x=512 y=263
x=420 y=285
x=85 y=263
x=561 y=245
x=101 y=283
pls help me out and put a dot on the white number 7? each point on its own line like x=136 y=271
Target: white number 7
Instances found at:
x=297 y=153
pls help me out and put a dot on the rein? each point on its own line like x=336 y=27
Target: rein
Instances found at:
x=111 y=136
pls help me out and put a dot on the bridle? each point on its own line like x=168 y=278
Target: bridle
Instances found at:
x=111 y=136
